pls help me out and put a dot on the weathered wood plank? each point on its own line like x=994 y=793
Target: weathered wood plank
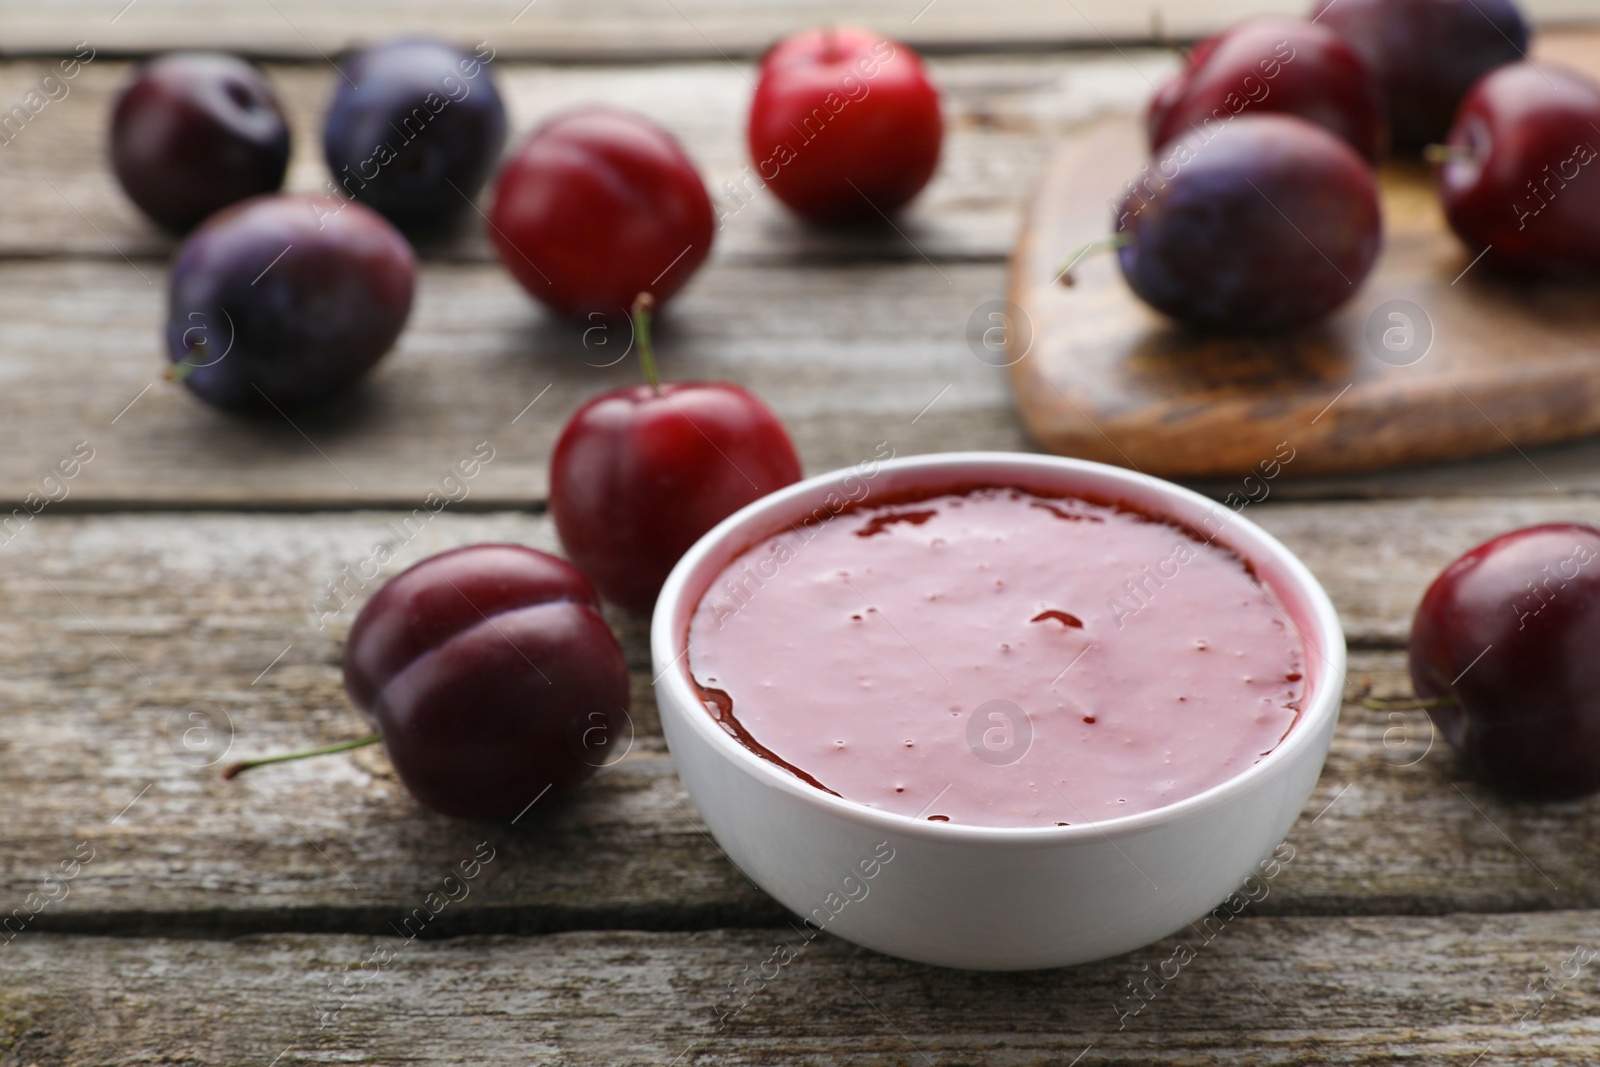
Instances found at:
x=847 y=357
x=621 y=28
x=1268 y=991
x=1004 y=115
x=119 y=628
x=1559 y=469
x=1376 y=559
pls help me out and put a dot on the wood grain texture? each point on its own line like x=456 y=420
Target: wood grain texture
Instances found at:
x=119 y=629
x=847 y=357
x=627 y=29
x=1489 y=363
x=1262 y=991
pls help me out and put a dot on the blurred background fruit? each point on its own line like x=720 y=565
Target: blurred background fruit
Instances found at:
x=414 y=130
x=597 y=206
x=1427 y=53
x=194 y=132
x=1269 y=224
x=1274 y=65
x=845 y=124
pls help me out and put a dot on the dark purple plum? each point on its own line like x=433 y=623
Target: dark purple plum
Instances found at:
x=1427 y=54
x=1264 y=223
x=492 y=677
x=194 y=132
x=1502 y=648
x=414 y=130
x=286 y=301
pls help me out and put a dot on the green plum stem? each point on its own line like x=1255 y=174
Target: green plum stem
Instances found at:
x=234 y=769
x=181 y=370
x=1104 y=244
x=644 y=306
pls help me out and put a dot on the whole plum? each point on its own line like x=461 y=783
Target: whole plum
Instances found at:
x=1502 y=650
x=194 y=132
x=492 y=677
x=285 y=301
x=598 y=206
x=414 y=130
x=1266 y=223
x=1274 y=65
x=1427 y=53
x=1521 y=180
x=844 y=124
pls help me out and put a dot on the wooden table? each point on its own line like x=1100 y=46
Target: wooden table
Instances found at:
x=164 y=610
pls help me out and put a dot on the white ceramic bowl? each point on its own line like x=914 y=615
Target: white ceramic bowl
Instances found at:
x=994 y=898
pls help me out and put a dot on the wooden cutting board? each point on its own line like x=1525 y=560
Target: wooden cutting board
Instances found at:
x=1097 y=374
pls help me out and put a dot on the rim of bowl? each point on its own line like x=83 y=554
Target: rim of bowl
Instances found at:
x=668 y=649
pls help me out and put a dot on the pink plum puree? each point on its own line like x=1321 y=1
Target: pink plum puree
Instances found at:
x=993 y=657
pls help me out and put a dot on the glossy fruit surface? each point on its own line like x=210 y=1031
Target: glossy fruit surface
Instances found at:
x=285 y=301
x=194 y=132
x=1269 y=225
x=845 y=124
x=1523 y=177
x=1274 y=65
x=1427 y=53
x=491 y=676
x=1508 y=632
x=414 y=130
x=598 y=206
x=639 y=474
